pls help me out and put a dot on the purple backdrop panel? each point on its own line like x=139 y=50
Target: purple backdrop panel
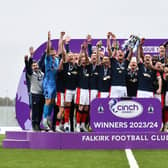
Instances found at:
x=22 y=99
x=125 y=115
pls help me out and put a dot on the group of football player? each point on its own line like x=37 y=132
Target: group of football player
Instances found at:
x=65 y=83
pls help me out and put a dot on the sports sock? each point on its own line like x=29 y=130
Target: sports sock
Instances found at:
x=84 y=116
x=50 y=109
x=58 y=122
x=45 y=111
x=78 y=116
x=66 y=114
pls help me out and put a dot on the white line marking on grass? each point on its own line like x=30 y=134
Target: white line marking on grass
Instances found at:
x=131 y=159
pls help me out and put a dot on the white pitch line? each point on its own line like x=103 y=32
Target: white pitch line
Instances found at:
x=131 y=159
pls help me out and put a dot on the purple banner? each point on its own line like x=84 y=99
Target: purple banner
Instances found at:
x=22 y=100
x=43 y=140
x=125 y=115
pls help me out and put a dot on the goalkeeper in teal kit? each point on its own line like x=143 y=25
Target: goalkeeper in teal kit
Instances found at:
x=49 y=82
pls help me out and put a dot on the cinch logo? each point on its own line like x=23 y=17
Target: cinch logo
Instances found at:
x=125 y=108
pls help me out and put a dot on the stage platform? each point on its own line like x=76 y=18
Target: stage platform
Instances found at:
x=91 y=140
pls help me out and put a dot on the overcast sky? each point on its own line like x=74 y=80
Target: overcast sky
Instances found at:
x=25 y=23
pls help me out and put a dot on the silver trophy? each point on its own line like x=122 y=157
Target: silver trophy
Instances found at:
x=132 y=42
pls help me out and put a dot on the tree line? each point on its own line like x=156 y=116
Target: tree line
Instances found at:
x=6 y=101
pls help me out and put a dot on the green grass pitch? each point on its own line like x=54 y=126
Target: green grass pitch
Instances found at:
x=27 y=158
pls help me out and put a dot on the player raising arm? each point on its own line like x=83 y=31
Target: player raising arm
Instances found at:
x=49 y=82
x=146 y=74
x=82 y=91
x=69 y=68
x=119 y=65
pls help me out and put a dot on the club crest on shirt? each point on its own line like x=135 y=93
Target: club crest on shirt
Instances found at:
x=147 y=75
x=106 y=77
x=74 y=72
x=70 y=67
x=85 y=72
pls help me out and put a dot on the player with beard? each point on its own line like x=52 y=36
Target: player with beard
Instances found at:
x=119 y=65
x=35 y=76
x=146 y=74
